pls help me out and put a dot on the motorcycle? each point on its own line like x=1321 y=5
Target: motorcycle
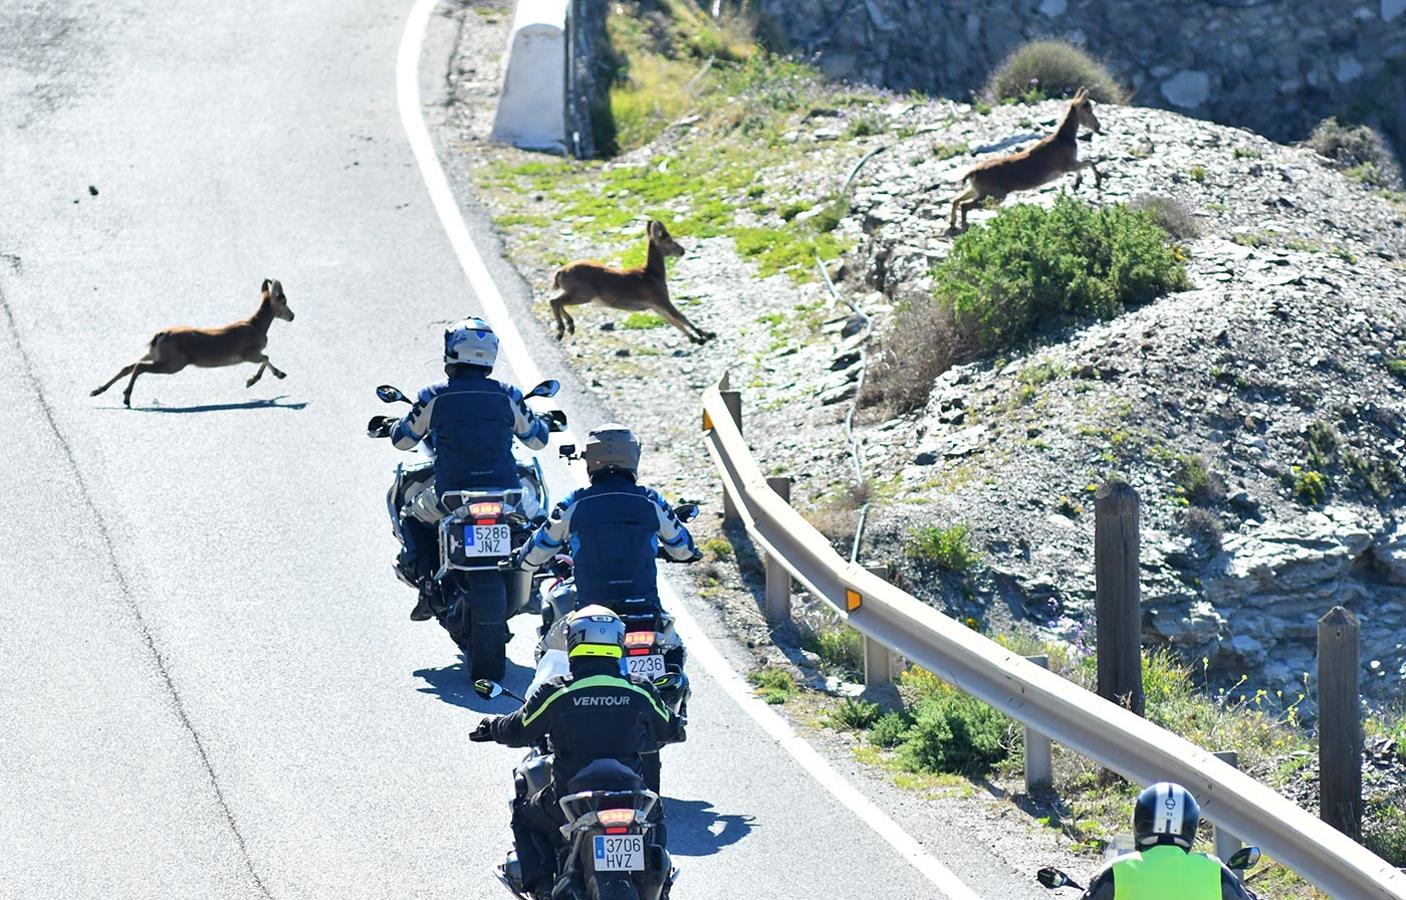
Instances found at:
x=473 y=599
x=606 y=849
x=653 y=648
x=1240 y=860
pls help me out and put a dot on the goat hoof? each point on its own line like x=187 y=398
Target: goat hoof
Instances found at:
x=250 y=382
x=280 y=375
x=94 y=392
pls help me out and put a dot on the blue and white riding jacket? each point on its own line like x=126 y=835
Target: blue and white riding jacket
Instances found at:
x=613 y=531
x=471 y=421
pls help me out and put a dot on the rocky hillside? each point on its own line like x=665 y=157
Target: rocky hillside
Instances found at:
x=1260 y=415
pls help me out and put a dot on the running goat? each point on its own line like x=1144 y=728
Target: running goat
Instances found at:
x=243 y=341
x=1027 y=169
x=639 y=289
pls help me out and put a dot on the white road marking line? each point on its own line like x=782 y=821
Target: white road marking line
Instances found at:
x=699 y=645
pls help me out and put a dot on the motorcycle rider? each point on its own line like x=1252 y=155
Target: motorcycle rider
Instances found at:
x=470 y=420
x=595 y=712
x=612 y=529
x=1165 y=819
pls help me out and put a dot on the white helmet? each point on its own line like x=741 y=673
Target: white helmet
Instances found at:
x=471 y=342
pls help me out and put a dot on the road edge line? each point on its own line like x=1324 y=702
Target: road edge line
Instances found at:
x=412 y=120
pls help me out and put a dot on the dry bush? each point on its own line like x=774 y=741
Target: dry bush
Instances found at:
x=1175 y=217
x=916 y=348
x=1052 y=68
x=1358 y=148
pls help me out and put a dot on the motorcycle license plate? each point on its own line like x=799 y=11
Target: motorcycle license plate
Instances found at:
x=487 y=540
x=619 y=853
x=651 y=666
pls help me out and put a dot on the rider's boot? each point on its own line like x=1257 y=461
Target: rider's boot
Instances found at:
x=424 y=608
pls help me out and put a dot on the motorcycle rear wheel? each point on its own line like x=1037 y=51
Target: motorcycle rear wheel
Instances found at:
x=483 y=625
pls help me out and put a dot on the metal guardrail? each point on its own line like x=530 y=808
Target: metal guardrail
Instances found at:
x=1043 y=701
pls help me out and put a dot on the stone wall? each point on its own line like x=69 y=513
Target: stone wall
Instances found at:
x=1274 y=66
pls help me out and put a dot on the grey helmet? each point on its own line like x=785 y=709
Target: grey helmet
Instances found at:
x=1165 y=813
x=595 y=631
x=612 y=446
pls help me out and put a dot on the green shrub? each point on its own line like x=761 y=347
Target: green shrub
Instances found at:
x=1358 y=148
x=953 y=732
x=852 y=714
x=1197 y=483
x=1322 y=445
x=1031 y=266
x=889 y=729
x=1052 y=68
x=1397 y=367
x=949 y=548
x=1309 y=486
x=838 y=646
x=719 y=548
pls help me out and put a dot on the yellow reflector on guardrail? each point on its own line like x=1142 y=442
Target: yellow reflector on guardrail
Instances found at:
x=707 y=421
x=853 y=600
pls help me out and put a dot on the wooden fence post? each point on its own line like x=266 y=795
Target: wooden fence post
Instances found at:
x=733 y=401
x=1118 y=594
x=778 y=578
x=1339 y=723
x=1039 y=756
x=1226 y=843
x=878 y=662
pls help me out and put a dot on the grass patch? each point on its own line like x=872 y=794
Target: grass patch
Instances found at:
x=1052 y=68
x=1397 y=367
x=1175 y=217
x=774 y=685
x=948 y=548
x=641 y=321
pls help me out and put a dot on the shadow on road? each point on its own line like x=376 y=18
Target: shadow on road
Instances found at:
x=452 y=685
x=696 y=830
x=271 y=403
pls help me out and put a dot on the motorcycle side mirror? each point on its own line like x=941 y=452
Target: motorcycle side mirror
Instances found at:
x=686 y=512
x=547 y=388
x=389 y=394
x=488 y=690
x=1244 y=858
x=568 y=450
x=1051 y=878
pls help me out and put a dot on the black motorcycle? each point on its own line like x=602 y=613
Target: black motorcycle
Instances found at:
x=470 y=595
x=608 y=849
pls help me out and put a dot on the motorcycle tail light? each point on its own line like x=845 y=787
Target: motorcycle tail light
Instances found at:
x=639 y=639
x=639 y=651
x=485 y=509
x=615 y=818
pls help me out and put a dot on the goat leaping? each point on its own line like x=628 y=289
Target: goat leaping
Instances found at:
x=632 y=290
x=243 y=341
x=1050 y=158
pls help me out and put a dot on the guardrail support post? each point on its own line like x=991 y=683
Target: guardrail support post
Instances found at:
x=1226 y=843
x=733 y=401
x=1039 y=758
x=878 y=662
x=1339 y=723
x=1118 y=594
x=778 y=578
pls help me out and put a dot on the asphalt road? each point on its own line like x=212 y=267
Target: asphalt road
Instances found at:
x=209 y=686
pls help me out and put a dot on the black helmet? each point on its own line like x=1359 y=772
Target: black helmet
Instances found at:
x=1165 y=813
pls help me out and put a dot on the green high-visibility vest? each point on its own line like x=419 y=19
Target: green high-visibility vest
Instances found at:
x=1166 y=873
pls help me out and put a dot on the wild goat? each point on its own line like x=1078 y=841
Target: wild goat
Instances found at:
x=626 y=289
x=243 y=341
x=1052 y=157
